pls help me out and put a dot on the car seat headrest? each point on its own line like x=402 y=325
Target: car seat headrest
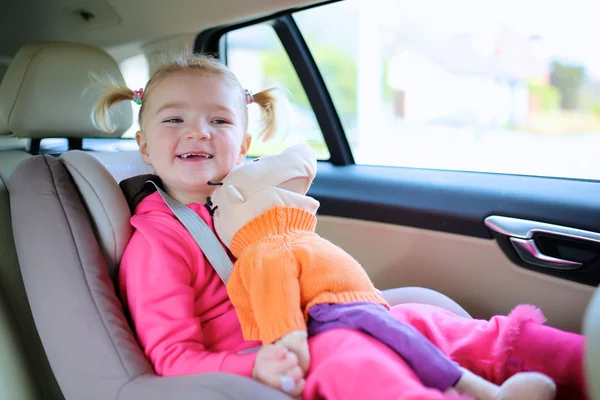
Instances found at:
x=48 y=92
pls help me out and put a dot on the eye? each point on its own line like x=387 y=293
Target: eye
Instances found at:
x=256 y=159
x=219 y=121
x=173 y=120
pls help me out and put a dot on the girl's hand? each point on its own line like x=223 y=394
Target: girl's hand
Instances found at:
x=277 y=367
x=297 y=342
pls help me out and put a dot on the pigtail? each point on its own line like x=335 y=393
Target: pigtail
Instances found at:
x=114 y=93
x=271 y=102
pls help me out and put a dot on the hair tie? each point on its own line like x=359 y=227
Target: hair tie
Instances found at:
x=137 y=96
x=249 y=97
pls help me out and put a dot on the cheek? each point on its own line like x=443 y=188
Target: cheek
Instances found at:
x=231 y=145
x=163 y=145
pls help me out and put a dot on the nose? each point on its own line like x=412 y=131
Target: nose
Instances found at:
x=198 y=131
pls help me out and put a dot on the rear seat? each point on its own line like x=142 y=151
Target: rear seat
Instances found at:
x=20 y=346
x=25 y=372
x=16 y=376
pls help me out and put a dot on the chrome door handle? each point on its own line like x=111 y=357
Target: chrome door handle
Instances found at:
x=528 y=251
x=525 y=229
x=521 y=232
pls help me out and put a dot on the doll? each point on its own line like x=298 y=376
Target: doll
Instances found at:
x=288 y=283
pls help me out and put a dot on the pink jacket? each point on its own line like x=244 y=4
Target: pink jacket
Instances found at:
x=183 y=318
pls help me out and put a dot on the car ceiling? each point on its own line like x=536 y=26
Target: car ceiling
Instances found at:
x=121 y=23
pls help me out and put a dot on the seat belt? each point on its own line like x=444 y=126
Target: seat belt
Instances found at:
x=206 y=240
x=202 y=234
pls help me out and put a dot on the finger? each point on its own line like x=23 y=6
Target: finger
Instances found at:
x=281 y=368
x=298 y=389
x=280 y=354
x=280 y=351
x=295 y=373
x=292 y=356
x=290 y=362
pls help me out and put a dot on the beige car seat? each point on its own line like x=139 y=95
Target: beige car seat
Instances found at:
x=71 y=225
x=24 y=370
x=23 y=361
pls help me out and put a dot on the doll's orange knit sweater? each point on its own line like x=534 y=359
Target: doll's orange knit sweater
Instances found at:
x=283 y=268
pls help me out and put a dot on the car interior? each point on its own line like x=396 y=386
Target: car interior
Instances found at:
x=477 y=217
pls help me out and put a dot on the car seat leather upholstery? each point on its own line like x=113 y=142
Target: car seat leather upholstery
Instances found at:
x=49 y=91
x=24 y=370
x=91 y=348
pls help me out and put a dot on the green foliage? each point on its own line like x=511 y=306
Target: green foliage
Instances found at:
x=549 y=96
x=595 y=110
x=337 y=68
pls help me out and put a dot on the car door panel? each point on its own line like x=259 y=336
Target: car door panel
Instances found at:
x=411 y=227
x=474 y=272
x=459 y=202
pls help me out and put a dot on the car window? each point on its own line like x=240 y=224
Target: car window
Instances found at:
x=499 y=86
x=258 y=59
x=136 y=73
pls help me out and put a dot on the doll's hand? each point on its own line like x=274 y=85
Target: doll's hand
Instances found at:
x=297 y=342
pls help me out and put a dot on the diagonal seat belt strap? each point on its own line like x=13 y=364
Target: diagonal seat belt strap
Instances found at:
x=202 y=234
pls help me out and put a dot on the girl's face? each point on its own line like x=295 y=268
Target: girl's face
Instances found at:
x=193 y=131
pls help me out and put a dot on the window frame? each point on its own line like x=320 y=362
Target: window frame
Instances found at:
x=209 y=42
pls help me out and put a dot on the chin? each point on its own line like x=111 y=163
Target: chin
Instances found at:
x=196 y=184
x=195 y=178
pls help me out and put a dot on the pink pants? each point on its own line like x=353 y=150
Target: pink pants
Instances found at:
x=347 y=364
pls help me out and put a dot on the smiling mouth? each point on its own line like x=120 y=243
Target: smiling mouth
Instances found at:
x=188 y=156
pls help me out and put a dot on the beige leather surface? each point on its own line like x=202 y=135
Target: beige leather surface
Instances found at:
x=48 y=92
x=10 y=275
x=123 y=164
x=8 y=161
x=104 y=202
x=93 y=352
x=16 y=378
x=11 y=285
x=473 y=272
x=591 y=329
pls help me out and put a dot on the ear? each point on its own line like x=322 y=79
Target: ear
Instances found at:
x=246 y=141
x=298 y=185
x=234 y=194
x=140 y=138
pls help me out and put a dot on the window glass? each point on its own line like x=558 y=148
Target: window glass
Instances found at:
x=257 y=58
x=136 y=73
x=500 y=86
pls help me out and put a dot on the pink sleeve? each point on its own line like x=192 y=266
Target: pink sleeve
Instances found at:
x=155 y=279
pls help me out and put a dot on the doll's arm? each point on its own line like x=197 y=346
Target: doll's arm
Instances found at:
x=271 y=279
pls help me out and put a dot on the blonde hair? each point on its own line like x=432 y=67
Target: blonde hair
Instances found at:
x=114 y=93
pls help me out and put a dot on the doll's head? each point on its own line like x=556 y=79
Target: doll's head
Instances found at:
x=265 y=182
